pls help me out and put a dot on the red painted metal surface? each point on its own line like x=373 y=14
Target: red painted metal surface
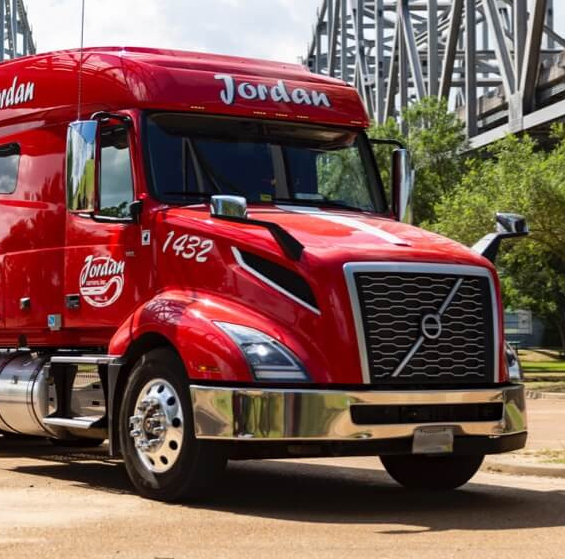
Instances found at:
x=47 y=253
x=123 y=78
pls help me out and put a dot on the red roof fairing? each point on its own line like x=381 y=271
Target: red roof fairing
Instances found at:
x=117 y=78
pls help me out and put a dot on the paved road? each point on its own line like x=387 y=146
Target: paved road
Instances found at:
x=55 y=504
x=546 y=424
x=80 y=505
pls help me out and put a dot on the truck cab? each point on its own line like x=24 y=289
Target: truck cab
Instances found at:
x=210 y=240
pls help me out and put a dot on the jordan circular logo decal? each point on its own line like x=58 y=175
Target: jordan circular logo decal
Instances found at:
x=102 y=280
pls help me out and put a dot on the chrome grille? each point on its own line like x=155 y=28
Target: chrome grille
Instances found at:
x=401 y=345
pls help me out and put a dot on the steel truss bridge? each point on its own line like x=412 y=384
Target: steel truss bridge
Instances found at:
x=500 y=63
x=15 y=33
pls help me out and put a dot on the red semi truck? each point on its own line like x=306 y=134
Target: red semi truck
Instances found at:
x=203 y=265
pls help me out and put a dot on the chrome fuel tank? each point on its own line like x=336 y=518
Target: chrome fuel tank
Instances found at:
x=24 y=395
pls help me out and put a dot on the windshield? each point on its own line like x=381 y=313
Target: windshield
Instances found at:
x=193 y=158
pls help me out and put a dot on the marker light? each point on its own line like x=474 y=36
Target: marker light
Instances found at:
x=268 y=359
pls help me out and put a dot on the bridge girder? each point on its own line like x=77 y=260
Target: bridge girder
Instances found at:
x=498 y=62
x=16 y=37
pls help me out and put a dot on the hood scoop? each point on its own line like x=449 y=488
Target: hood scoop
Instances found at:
x=291 y=246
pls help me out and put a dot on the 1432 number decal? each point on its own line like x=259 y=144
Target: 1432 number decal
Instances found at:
x=188 y=246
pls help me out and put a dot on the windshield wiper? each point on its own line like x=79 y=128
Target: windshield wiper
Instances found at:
x=189 y=194
x=315 y=203
x=287 y=201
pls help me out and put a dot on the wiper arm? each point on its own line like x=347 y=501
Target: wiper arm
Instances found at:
x=314 y=203
x=189 y=194
x=333 y=204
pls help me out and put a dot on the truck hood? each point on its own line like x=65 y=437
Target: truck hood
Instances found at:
x=339 y=235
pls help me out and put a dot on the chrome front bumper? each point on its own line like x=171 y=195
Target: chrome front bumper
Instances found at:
x=265 y=414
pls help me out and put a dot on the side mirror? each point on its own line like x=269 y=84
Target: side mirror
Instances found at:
x=513 y=224
x=402 y=185
x=402 y=179
x=82 y=140
x=508 y=226
x=228 y=206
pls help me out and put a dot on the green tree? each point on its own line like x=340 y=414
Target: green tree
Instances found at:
x=515 y=175
x=534 y=279
x=436 y=140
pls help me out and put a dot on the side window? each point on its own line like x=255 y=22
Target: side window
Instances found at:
x=9 y=164
x=116 y=183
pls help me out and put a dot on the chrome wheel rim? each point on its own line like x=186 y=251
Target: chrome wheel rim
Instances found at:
x=157 y=426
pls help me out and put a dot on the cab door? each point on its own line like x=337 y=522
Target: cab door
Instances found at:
x=102 y=238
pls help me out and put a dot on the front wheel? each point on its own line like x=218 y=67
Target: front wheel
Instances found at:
x=439 y=473
x=162 y=457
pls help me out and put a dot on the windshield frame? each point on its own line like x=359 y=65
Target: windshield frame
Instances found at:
x=374 y=182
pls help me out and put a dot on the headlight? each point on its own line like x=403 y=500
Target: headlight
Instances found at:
x=268 y=359
x=515 y=373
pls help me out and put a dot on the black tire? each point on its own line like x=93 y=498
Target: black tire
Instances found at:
x=197 y=463
x=437 y=473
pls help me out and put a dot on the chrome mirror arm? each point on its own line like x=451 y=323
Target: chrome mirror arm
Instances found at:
x=508 y=226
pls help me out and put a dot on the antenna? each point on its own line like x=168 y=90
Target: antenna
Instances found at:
x=79 y=107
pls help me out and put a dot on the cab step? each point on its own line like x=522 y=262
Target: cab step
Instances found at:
x=92 y=427
x=73 y=422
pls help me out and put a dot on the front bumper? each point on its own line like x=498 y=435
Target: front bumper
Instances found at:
x=294 y=415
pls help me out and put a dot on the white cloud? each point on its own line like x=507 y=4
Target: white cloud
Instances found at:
x=272 y=29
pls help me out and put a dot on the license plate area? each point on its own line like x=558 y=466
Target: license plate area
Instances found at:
x=433 y=440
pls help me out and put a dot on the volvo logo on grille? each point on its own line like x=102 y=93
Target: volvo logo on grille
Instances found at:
x=431 y=326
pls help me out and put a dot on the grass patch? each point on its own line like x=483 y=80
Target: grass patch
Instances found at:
x=547 y=456
x=543 y=366
x=547 y=355
x=544 y=386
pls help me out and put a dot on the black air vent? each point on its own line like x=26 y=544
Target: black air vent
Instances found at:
x=287 y=279
x=439 y=413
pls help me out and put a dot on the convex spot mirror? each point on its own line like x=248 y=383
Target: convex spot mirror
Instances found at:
x=402 y=185
x=508 y=226
x=402 y=180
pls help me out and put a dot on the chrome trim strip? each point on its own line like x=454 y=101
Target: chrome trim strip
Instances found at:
x=286 y=414
x=239 y=259
x=85 y=359
x=452 y=294
x=408 y=267
x=408 y=356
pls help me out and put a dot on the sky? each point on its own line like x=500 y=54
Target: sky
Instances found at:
x=270 y=29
